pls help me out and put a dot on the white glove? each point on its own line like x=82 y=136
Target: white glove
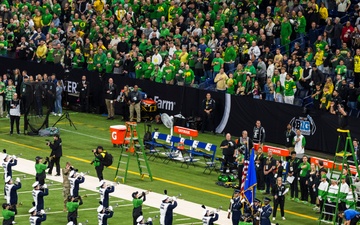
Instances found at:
x=17 y=180
x=329 y=200
x=232 y=201
x=112 y=184
x=149 y=219
x=243 y=200
x=257 y=218
x=251 y=204
x=44 y=186
x=82 y=174
x=14 y=156
x=260 y=210
x=174 y=199
x=42 y=211
x=110 y=208
x=320 y=198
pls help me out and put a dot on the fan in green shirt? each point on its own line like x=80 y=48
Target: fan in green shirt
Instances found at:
x=78 y=60
x=56 y=8
x=230 y=84
x=298 y=71
x=191 y=56
x=46 y=18
x=157 y=75
x=249 y=69
x=109 y=63
x=50 y=55
x=169 y=71
x=230 y=54
x=290 y=86
x=301 y=24
x=188 y=76
x=139 y=68
x=341 y=69
x=218 y=25
x=149 y=67
x=217 y=63
x=99 y=60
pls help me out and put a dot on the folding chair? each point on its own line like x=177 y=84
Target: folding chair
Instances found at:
x=170 y=154
x=209 y=164
x=188 y=159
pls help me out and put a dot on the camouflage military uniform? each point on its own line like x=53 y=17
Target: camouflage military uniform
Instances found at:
x=66 y=185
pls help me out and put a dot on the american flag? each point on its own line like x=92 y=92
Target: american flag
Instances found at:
x=244 y=174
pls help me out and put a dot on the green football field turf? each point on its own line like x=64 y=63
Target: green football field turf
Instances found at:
x=93 y=130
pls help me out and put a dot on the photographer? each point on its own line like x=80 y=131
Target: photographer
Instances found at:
x=72 y=207
x=228 y=147
x=99 y=154
x=56 y=153
x=8 y=215
x=138 y=200
x=40 y=169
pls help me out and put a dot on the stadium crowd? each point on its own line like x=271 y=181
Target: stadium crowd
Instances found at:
x=275 y=50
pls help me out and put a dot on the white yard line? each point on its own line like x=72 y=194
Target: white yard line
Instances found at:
x=23 y=192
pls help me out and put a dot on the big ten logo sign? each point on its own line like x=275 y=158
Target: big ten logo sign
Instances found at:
x=305 y=124
x=114 y=135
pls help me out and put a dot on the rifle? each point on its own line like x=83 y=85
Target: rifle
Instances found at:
x=230 y=206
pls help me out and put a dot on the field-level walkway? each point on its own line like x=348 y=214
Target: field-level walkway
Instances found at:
x=123 y=191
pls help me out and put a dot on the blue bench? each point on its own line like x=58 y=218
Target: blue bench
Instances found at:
x=170 y=142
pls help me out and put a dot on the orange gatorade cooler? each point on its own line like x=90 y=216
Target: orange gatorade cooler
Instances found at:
x=117 y=133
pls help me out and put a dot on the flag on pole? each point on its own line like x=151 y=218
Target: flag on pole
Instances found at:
x=250 y=180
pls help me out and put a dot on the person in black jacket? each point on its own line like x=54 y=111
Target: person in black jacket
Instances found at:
x=55 y=155
x=258 y=133
x=259 y=167
x=293 y=173
x=228 y=149
x=279 y=192
x=208 y=107
x=84 y=91
x=289 y=136
x=110 y=97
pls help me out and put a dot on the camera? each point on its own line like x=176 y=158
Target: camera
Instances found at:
x=73 y=168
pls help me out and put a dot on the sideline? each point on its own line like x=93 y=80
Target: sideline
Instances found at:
x=155 y=178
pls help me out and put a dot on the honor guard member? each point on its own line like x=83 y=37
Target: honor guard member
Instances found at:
x=209 y=216
x=208 y=107
x=8 y=163
x=293 y=174
x=66 y=183
x=8 y=215
x=236 y=205
x=104 y=214
x=351 y=216
x=138 y=200
x=72 y=207
x=166 y=209
x=104 y=191
x=36 y=217
x=38 y=195
x=11 y=192
x=265 y=212
x=55 y=155
x=256 y=212
x=75 y=180
x=258 y=133
x=279 y=192
x=141 y=221
x=40 y=170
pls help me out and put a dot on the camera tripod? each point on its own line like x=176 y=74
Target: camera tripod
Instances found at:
x=65 y=116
